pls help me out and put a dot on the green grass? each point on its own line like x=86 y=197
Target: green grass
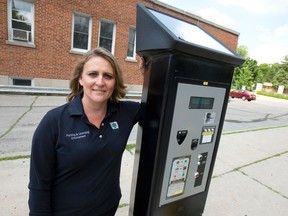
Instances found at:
x=250 y=164
x=14 y=157
x=130 y=147
x=280 y=96
x=123 y=205
x=252 y=130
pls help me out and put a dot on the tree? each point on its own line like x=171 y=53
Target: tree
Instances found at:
x=253 y=68
x=273 y=71
x=246 y=74
x=280 y=73
x=243 y=51
x=243 y=77
x=263 y=73
x=250 y=73
x=280 y=78
x=285 y=63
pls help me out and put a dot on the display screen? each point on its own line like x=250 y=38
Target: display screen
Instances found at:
x=201 y=103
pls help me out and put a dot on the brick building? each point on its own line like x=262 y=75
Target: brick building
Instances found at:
x=40 y=40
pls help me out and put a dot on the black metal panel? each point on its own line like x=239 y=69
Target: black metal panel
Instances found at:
x=203 y=69
x=153 y=35
x=154 y=101
x=161 y=77
x=149 y=35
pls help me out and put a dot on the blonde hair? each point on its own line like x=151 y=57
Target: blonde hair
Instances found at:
x=76 y=89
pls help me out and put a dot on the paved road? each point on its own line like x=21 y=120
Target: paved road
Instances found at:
x=20 y=115
x=264 y=112
x=250 y=174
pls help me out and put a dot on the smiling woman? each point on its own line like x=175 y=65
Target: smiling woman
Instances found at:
x=77 y=147
x=75 y=86
x=98 y=84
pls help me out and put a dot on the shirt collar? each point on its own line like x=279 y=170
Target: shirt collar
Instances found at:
x=75 y=107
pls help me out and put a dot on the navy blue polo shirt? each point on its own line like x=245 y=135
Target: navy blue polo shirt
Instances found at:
x=75 y=166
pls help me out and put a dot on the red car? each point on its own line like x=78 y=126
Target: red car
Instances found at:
x=243 y=94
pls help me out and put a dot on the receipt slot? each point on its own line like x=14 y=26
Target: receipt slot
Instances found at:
x=186 y=87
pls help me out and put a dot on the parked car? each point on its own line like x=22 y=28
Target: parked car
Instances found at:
x=243 y=94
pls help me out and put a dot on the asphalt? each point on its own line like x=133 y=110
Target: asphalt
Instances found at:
x=249 y=177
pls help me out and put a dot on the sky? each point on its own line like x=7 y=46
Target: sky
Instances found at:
x=262 y=24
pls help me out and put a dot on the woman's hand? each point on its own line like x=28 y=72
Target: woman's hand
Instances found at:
x=142 y=63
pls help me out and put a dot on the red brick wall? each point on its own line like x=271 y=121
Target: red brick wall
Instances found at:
x=51 y=58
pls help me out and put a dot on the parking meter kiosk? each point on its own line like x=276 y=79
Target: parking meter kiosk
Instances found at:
x=187 y=80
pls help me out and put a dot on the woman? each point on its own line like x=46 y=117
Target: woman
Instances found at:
x=77 y=148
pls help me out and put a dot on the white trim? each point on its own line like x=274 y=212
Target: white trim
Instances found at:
x=19 y=43
x=113 y=36
x=10 y=29
x=131 y=58
x=77 y=50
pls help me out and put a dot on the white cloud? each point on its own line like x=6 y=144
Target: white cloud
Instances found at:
x=216 y=16
x=262 y=28
x=274 y=47
x=264 y=37
x=259 y=6
x=257 y=21
x=263 y=33
x=268 y=53
x=282 y=31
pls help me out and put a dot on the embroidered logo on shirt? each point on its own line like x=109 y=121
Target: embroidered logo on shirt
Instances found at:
x=78 y=135
x=114 y=125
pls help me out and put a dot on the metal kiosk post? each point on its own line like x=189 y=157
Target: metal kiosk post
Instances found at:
x=185 y=94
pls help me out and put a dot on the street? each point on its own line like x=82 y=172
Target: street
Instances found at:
x=20 y=115
x=265 y=112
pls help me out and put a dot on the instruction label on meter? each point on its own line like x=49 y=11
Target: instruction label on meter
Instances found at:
x=207 y=134
x=178 y=176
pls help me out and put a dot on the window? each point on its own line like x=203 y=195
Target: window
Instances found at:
x=21 y=82
x=81 y=39
x=131 y=53
x=21 y=21
x=107 y=35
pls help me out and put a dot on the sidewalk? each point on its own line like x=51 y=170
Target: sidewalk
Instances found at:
x=250 y=178
x=250 y=174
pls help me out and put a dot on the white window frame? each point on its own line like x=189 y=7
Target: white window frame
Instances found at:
x=10 y=30
x=132 y=58
x=113 y=36
x=89 y=33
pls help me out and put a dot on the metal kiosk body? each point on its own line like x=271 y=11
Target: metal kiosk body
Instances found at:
x=186 y=88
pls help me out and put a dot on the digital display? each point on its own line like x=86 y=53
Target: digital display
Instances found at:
x=201 y=103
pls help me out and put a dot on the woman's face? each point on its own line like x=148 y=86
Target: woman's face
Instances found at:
x=98 y=80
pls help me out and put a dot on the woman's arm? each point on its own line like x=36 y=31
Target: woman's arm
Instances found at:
x=42 y=167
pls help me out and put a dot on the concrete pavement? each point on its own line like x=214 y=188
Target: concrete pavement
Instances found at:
x=250 y=173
